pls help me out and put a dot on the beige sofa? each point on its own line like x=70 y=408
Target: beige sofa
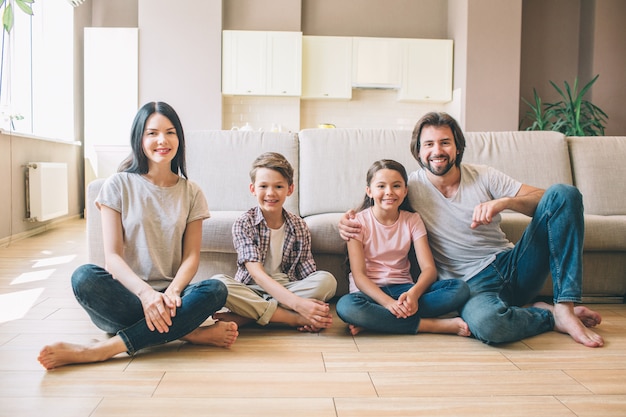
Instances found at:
x=330 y=167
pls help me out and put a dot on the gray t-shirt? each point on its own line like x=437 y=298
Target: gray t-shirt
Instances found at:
x=154 y=220
x=459 y=251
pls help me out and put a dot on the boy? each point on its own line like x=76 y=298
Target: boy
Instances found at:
x=276 y=279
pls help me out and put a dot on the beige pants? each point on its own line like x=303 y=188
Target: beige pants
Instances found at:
x=254 y=302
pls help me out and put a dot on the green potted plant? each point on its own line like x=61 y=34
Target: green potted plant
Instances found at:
x=572 y=115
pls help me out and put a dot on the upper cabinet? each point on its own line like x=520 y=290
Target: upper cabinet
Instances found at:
x=326 y=67
x=427 y=70
x=376 y=62
x=261 y=63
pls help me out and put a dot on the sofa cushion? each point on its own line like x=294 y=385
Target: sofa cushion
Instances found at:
x=546 y=156
x=217 y=232
x=325 y=234
x=599 y=171
x=335 y=163
x=220 y=160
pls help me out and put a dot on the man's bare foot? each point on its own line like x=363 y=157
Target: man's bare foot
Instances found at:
x=575 y=321
x=455 y=325
x=354 y=330
x=61 y=353
x=220 y=334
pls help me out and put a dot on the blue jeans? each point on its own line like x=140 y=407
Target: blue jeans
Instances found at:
x=116 y=310
x=552 y=243
x=441 y=298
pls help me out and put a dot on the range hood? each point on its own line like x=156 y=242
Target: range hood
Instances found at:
x=376 y=63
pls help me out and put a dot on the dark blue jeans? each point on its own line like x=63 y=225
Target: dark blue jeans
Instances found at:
x=116 y=310
x=441 y=298
x=552 y=243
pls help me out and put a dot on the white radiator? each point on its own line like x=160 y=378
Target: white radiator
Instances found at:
x=46 y=191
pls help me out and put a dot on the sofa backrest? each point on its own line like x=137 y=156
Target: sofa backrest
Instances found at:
x=220 y=160
x=537 y=158
x=599 y=168
x=334 y=164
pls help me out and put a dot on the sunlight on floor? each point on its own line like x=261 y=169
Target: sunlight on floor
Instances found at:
x=57 y=260
x=15 y=305
x=33 y=276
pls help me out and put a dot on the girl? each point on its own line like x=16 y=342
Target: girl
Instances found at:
x=382 y=295
x=152 y=230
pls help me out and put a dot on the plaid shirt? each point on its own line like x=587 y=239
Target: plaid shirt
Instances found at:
x=251 y=238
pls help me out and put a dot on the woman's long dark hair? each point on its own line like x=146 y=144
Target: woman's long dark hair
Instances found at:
x=386 y=164
x=137 y=162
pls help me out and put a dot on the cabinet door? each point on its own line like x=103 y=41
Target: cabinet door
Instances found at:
x=284 y=63
x=427 y=70
x=244 y=62
x=326 y=67
x=376 y=62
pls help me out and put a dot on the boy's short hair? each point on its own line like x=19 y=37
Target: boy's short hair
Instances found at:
x=275 y=161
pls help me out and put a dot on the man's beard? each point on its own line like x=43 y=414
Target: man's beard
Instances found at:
x=439 y=171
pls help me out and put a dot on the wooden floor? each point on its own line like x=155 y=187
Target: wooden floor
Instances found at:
x=280 y=372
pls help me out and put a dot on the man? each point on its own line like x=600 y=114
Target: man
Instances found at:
x=461 y=205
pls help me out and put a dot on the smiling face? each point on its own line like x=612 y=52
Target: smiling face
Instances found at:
x=160 y=141
x=388 y=189
x=438 y=150
x=271 y=189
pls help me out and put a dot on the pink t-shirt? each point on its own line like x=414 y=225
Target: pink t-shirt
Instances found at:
x=386 y=248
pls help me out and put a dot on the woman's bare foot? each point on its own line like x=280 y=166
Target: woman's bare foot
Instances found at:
x=455 y=325
x=220 y=334
x=575 y=321
x=61 y=353
x=229 y=316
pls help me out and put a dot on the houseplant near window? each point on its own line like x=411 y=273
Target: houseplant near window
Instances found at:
x=6 y=8
x=572 y=115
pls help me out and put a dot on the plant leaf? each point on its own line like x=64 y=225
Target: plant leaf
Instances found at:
x=26 y=8
x=7 y=18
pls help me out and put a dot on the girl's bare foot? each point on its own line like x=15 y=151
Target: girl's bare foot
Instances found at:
x=354 y=330
x=455 y=325
x=61 y=353
x=220 y=334
x=575 y=321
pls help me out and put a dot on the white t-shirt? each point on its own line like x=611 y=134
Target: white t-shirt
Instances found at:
x=459 y=251
x=386 y=248
x=154 y=220
x=274 y=256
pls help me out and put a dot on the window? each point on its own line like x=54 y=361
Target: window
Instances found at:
x=37 y=91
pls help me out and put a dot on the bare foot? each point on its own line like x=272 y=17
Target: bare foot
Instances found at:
x=354 y=330
x=455 y=325
x=61 y=353
x=220 y=334
x=228 y=316
x=575 y=321
x=307 y=328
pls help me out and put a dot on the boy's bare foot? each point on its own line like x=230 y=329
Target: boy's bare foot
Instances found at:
x=575 y=321
x=61 y=353
x=455 y=325
x=220 y=334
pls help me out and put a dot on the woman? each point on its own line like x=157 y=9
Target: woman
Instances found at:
x=152 y=230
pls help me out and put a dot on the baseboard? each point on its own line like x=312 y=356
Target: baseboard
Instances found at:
x=6 y=241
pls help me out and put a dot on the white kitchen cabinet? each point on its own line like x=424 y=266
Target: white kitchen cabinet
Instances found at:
x=427 y=70
x=376 y=62
x=326 y=67
x=262 y=63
